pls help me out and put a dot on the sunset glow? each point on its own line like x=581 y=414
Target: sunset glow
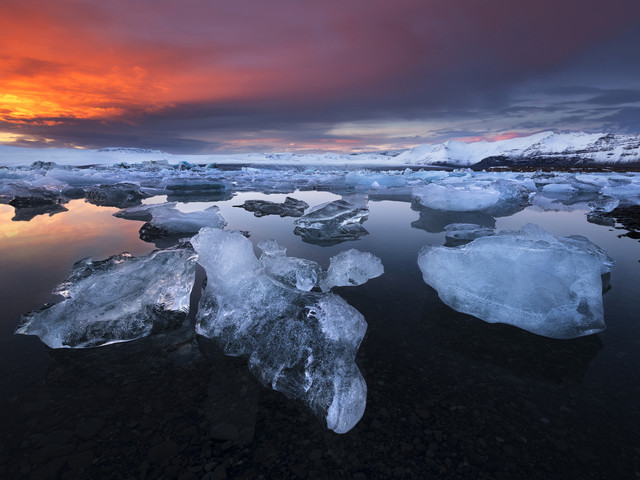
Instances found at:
x=194 y=77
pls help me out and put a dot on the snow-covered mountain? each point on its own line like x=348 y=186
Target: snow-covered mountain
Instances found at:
x=543 y=149
x=546 y=148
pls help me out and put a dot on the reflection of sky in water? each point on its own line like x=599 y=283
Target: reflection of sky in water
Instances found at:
x=36 y=255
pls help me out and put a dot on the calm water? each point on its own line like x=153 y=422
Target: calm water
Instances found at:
x=449 y=395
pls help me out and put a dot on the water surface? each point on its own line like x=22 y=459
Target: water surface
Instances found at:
x=449 y=396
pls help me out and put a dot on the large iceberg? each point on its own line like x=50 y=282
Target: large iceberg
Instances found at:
x=118 y=299
x=300 y=343
x=528 y=278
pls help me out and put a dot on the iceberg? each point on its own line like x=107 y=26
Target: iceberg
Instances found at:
x=115 y=300
x=297 y=342
x=528 y=278
x=334 y=222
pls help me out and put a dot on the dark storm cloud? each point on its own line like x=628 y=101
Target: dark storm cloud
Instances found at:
x=209 y=76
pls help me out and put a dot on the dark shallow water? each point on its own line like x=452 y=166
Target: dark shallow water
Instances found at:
x=449 y=396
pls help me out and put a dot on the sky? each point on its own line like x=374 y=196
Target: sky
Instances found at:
x=220 y=76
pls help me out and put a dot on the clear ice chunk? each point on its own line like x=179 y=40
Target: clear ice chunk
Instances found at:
x=300 y=343
x=299 y=273
x=351 y=267
x=115 y=300
x=334 y=222
x=528 y=278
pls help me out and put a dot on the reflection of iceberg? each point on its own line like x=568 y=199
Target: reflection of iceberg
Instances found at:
x=300 y=343
x=528 y=278
x=523 y=353
x=628 y=217
x=334 y=222
x=435 y=221
x=118 y=299
x=461 y=233
x=32 y=200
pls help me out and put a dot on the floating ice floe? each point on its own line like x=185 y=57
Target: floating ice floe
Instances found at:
x=298 y=342
x=334 y=222
x=167 y=220
x=142 y=212
x=291 y=207
x=118 y=299
x=189 y=188
x=497 y=197
x=119 y=195
x=528 y=278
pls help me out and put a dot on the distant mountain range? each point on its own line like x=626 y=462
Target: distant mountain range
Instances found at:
x=542 y=149
x=547 y=149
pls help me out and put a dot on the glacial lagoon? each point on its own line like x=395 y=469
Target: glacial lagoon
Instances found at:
x=447 y=395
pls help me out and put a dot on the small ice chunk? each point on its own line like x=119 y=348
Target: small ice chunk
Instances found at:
x=291 y=207
x=351 y=267
x=334 y=222
x=300 y=343
x=337 y=213
x=528 y=278
x=118 y=299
